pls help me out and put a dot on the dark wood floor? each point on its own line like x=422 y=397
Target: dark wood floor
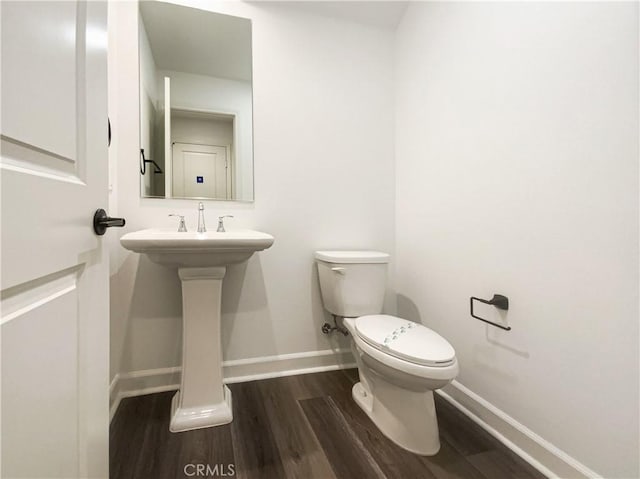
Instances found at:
x=300 y=427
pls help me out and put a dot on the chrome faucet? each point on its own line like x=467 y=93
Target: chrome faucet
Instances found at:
x=201 y=227
x=221 y=223
x=182 y=227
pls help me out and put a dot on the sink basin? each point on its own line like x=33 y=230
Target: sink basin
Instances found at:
x=184 y=250
x=201 y=259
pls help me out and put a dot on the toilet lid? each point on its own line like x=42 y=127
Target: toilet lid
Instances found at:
x=405 y=340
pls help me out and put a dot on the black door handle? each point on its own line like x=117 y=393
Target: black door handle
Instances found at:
x=101 y=221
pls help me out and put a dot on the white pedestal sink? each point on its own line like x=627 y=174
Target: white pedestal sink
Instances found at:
x=201 y=258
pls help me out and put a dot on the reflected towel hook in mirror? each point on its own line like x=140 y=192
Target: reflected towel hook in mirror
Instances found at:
x=144 y=161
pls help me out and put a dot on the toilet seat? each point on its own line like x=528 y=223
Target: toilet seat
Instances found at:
x=445 y=373
x=405 y=340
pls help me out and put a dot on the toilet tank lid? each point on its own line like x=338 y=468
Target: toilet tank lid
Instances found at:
x=352 y=256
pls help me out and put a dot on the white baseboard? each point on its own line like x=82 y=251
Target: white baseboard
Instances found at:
x=540 y=453
x=138 y=383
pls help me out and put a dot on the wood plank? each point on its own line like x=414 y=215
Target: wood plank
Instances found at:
x=126 y=433
x=450 y=464
x=254 y=446
x=392 y=459
x=301 y=454
x=348 y=457
x=336 y=384
x=159 y=449
x=304 y=427
x=211 y=447
x=464 y=435
x=502 y=464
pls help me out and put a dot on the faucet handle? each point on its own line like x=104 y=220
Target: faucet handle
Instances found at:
x=182 y=227
x=221 y=223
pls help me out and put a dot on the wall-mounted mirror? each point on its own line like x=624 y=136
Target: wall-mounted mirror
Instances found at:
x=196 y=122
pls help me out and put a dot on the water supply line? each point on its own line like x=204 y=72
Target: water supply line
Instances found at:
x=328 y=329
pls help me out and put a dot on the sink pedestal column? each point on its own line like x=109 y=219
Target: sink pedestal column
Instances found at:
x=203 y=400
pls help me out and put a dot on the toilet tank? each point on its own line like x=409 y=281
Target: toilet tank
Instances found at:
x=352 y=283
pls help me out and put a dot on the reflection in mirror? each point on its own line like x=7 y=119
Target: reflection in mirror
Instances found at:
x=196 y=125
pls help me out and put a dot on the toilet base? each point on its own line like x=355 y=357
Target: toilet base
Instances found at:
x=407 y=418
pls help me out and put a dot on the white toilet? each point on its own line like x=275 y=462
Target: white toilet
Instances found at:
x=400 y=362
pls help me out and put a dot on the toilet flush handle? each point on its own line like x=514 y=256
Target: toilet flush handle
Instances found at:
x=338 y=270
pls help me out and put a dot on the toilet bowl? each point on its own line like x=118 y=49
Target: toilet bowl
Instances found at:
x=400 y=363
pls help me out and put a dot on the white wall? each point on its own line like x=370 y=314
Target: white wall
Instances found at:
x=517 y=173
x=205 y=131
x=324 y=178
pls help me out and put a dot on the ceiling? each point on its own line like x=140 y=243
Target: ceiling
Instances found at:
x=383 y=14
x=206 y=43
x=197 y=41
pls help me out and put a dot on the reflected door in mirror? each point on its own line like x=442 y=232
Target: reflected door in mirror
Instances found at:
x=201 y=171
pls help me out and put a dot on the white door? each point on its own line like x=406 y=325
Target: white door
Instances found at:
x=54 y=331
x=200 y=171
